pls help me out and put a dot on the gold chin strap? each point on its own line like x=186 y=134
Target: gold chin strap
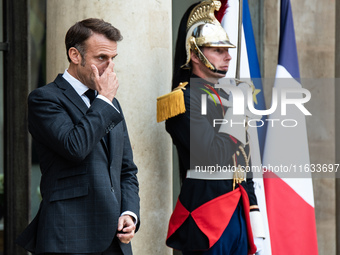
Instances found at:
x=200 y=54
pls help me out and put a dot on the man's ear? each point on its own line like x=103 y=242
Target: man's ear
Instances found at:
x=74 y=55
x=194 y=58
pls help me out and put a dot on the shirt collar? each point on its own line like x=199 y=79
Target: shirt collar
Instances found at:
x=200 y=81
x=78 y=86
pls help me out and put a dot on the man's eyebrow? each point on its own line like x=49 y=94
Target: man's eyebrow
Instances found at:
x=106 y=55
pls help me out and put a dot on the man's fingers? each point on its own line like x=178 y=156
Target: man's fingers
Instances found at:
x=111 y=66
x=120 y=226
x=121 y=223
x=126 y=237
x=127 y=229
x=109 y=69
x=126 y=234
x=95 y=71
x=125 y=221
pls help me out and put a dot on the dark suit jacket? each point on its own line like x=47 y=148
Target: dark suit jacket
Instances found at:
x=85 y=184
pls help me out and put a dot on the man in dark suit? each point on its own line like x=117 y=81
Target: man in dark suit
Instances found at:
x=89 y=187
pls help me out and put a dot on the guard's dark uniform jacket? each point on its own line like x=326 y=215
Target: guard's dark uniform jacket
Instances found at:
x=205 y=207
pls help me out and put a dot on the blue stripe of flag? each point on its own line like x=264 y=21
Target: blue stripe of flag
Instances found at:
x=254 y=68
x=288 y=57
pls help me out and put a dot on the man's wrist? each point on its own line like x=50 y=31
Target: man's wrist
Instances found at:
x=105 y=99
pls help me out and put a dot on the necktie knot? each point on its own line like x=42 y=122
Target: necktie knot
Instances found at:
x=91 y=94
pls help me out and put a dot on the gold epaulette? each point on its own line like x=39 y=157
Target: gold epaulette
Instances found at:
x=171 y=104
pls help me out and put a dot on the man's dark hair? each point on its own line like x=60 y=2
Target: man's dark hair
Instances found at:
x=82 y=30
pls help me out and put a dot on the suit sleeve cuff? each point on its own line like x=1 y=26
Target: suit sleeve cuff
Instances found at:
x=133 y=215
x=256 y=222
x=107 y=101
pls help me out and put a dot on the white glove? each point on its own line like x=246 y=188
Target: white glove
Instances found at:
x=259 y=242
x=233 y=123
x=244 y=87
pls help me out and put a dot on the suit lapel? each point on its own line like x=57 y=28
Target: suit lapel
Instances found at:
x=71 y=94
x=113 y=137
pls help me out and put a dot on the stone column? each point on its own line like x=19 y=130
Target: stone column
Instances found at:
x=143 y=67
x=337 y=124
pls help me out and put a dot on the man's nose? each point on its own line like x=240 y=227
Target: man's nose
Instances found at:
x=227 y=56
x=109 y=61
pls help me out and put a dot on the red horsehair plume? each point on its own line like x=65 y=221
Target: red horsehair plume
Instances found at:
x=219 y=14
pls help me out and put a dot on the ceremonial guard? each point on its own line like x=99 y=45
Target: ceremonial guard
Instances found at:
x=216 y=211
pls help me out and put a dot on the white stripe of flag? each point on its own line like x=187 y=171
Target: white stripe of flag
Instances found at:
x=290 y=201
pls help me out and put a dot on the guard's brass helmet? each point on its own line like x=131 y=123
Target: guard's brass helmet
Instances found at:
x=204 y=30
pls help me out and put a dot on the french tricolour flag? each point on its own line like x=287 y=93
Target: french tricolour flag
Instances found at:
x=289 y=199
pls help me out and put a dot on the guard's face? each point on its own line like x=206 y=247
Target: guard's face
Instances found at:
x=219 y=57
x=100 y=51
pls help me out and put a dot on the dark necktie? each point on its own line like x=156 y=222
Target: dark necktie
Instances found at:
x=91 y=94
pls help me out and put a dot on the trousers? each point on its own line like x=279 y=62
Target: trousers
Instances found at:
x=234 y=240
x=114 y=249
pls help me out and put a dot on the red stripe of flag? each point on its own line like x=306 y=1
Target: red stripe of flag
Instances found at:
x=289 y=216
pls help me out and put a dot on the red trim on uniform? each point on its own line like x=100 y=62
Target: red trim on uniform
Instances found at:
x=179 y=215
x=245 y=200
x=206 y=217
x=233 y=139
x=218 y=96
x=207 y=221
